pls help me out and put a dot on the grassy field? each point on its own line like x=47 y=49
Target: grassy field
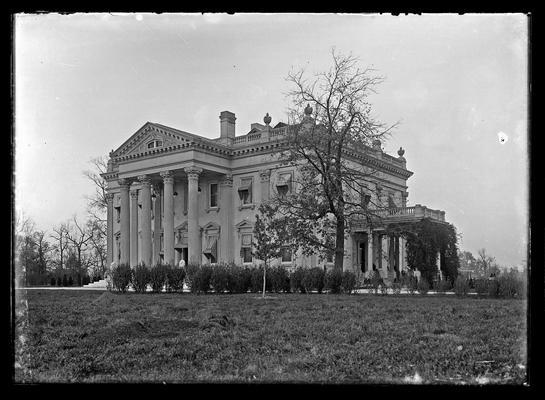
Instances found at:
x=93 y=336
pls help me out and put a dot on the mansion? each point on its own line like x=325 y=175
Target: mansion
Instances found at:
x=175 y=195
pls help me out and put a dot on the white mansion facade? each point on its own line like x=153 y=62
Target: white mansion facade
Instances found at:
x=173 y=194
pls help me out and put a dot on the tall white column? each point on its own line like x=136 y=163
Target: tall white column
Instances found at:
x=439 y=265
x=109 y=229
x=125 y=221
x=145 y=181
x=134 y=229
x=168 y=222
x=226 y=213
x=401 y=253
x=370 y=251
x=384 y=254
x=157 y=226
x=193 y=233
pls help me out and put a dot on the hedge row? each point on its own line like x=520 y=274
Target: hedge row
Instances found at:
x=231 y=278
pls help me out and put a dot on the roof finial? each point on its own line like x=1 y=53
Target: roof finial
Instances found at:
x=308 y=110
x=267 y=119
x=400 y=152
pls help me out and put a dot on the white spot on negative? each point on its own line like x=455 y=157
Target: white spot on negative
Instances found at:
x=503 y=138
x=139 y=17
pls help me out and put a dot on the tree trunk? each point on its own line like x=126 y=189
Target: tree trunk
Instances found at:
x=339 y=243
x=264 y=272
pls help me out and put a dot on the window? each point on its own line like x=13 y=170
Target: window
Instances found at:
x=211 y=250
x=286 y=254
x=245 y=191
x=117 y=214
x=213 y=195
x=155 y=143
x=329 y=258
x=283 y=184
x=246 y=248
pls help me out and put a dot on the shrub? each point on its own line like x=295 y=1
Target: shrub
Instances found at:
x=296 y=280
x=53 y=281
x=313 y=279
x=158 y=277
x=334 y=280
x=279 y=277
x=70 y=281
x=219 y=279
x=140 y=278
x=201 y=279
x=191 y=271
x=348 y=282
x=510 y=286
x=121 y=277
x=256 y=283
x=396 y=286
x=481 y=286
x=461 y=286
x=86 y=280
x=238 y=279
x=443 y=286
x=59 y=281
x=493 y=288
x=423 y=286
x=175 y=278
x=376 y=281
x=64 y=280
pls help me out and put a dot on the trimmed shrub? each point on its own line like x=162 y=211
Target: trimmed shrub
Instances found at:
x=70 y=281
x=423 y=286
x=348 y=282
x=313 y=279
x=191 y=271
x=443 y=286
x=121 y=277
x=481 y=286
x=219 y=279
x=238 y=279
x=296 y=280
x=493 y=288
x=175 y=278
x=140 y=278
x=86 y=280
x=280 y=279
x=158 y=277
x=64 y=280
x=334 y=280
x=53 y=281
x=59 y=281
x=201 y=280
x=461 y=286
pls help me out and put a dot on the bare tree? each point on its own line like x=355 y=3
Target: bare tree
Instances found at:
x=79 y=237
x=332 y=181
x=97 y=203
x=486 y=263
x=97 y=241
x=61 y=244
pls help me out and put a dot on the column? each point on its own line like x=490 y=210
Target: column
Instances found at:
x=265 y=177
x=168 y=222
x=401 y=252
x=134 y=228
x=439 y=265
x=396 y=255
x=109 y=229
x=193 y=232
x=226 y=235
x=125 y=221
x=369 y=251
x=157 y=226
x=145 y=181
x=384 y=254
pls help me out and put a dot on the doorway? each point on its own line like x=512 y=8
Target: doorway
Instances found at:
x=361 y=255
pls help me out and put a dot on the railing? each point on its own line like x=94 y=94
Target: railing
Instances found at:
x=273 y=133
x=417 y=211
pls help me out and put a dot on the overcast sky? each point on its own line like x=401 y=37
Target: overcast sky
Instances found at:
x=86 y=82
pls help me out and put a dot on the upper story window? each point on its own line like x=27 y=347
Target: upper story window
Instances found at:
x=286 y=254
x=155 y=143
x=213 y=195
x=245 y=191
x=284 y=184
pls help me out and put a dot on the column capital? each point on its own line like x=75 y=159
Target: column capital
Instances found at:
x=168 y=176
x=134 y=194
x=109 y=198
x=227 y=180
x=193 y=172
x=124 y=183
x=265 y=175
x=144 y=180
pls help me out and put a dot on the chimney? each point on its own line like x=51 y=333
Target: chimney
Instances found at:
x=227 y=127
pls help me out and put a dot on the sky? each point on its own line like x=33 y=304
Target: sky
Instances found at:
x=457 y=85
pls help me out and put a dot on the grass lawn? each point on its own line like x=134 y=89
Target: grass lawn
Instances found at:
x=93 y=336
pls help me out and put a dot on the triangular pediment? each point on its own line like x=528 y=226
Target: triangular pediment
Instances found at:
x=244 y=224
x=150 y=132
